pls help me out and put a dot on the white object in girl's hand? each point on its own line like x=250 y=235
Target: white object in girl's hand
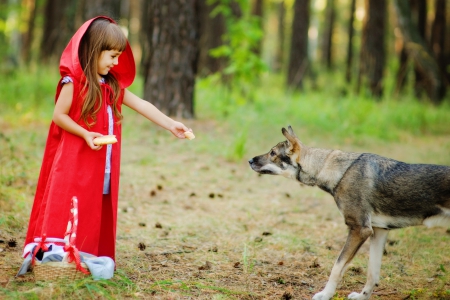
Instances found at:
x=189 y=135
x=104 y=140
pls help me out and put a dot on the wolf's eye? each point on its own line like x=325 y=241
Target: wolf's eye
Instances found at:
x=272 y=153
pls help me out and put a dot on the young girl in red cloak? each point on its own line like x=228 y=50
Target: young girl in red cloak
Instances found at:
x=96 y=68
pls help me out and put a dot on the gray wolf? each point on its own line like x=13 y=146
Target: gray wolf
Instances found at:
x=373 y=193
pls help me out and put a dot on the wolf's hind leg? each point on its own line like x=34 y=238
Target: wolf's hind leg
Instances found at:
x=377 y=243
x=356 y=237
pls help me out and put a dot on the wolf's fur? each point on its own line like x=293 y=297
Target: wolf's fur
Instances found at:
x=373 y=193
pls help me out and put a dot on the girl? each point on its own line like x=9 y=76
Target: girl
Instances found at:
x=96 y=68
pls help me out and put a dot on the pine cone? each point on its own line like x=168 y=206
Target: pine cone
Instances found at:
x=12 y=243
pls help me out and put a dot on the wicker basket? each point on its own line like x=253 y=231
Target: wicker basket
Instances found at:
x=57 y=270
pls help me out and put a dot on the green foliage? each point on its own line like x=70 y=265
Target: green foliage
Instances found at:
x=237 y=149
x=244 y=33
x=329 y=112
x=27 y=95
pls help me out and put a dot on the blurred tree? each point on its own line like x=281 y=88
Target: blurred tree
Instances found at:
x=373 y=53
x=3 y=39
x=437 y=41
x=171 y=33
x=59 y=18
x=402 y=70
x=257 y=11
x=418 y=51
x=29 y=7
x=350 y=32
x=131 y=13
x=419 y=17
x=212 y=28
x=93 y=8
x=327 y=36
x=279 y=51
x=298 y=60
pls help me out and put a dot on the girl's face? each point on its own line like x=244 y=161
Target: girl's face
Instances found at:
x=107 y=60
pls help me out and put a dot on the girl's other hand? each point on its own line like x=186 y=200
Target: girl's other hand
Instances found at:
x=89 y=138
x=178 y=130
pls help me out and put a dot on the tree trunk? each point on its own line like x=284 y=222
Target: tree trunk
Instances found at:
x=298 y=61
x=170 y=67
x=402 y=70
x=134 y=29
x=257 y=10
x=330 y=14
x=27 y=37
x=211 y=31
x=418 y=51
x=110 y=8
x=419 y=15
x=279 y=55
x=373 y=53
x=351 y=31
x=437 y=41
x=58 y=28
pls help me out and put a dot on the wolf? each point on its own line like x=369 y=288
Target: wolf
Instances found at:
x=373 y=193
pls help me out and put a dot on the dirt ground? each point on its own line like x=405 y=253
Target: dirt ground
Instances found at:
x=194 y=225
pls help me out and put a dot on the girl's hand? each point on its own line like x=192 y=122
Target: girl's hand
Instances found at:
x=178 y=130
x=89 y=138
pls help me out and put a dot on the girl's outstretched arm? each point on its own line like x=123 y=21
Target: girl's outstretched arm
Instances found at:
x=62 y=119
x=149 y=111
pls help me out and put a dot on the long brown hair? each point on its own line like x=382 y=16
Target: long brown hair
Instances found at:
x=100 y=36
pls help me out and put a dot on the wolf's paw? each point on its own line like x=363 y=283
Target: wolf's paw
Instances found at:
x=323 y=295
x=359 y=296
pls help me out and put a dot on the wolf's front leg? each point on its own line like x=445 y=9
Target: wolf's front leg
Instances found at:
x=377 y=243
x=356 y=237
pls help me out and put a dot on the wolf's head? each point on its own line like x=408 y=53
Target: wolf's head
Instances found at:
x=283 y=159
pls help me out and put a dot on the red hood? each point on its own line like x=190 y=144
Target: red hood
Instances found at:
x=69 y=64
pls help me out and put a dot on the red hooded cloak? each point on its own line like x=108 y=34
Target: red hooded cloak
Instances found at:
x=71 y=168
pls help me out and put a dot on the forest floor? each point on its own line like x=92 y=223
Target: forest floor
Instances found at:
x=194 y=225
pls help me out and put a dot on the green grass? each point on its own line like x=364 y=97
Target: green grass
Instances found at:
x=325 y=112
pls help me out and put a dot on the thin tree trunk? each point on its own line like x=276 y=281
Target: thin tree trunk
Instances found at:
x=351 y=31
x=134 y=29
x=171 y=65
x=419 y=14
x=212 y=28
x=330 y=15
x=418 y=50
x=402 y=70
x=27 y=37
x=437 y=40
x=373 y=53
x=257 y=10
x=298 y=60
x=279 y=55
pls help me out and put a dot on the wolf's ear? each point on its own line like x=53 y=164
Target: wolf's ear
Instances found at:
x=295 y=146
x=293 y=140
x=291 y=131
x=290 y=135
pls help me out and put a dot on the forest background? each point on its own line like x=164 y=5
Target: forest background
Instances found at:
x=366 y=76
